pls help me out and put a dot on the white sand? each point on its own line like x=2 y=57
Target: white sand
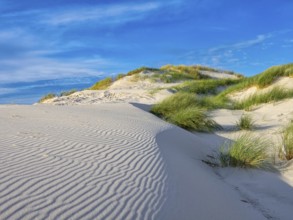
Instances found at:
x=125 y=90
x=108 y=161
x=282 y=82
x=218 y=75
x=116 y=161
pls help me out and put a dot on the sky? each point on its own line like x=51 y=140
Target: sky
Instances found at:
x=51 y=46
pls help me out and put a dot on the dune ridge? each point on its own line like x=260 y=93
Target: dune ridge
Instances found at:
x=58 y=170
x=107 y=161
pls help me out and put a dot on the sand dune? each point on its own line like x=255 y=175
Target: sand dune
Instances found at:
x=108 y=161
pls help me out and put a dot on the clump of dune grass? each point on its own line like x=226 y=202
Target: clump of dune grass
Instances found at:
x=276 y=94
x=120 y=76
x=194 y=119
x=182 y=69
x=171 y=77
x=286 y=151
x=181 y=109
x=173 y=103
x=207 y=86
x=102 y=84
x=141 y=69
x=46 y=97
x=247 y=151
x=67 y=93
x=263 y=79
x=245 y=123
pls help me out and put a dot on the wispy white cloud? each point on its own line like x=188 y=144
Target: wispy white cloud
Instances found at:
x=36 y=68
x=124 y=12
x=28 y=57
x=242 y=45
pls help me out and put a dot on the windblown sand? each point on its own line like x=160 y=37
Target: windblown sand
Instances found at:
x=109 y=161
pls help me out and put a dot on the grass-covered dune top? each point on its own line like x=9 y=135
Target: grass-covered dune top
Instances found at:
x=208 y=86
x=102 y=84
x=53 y=95
x=164 y=74
x=263 y=79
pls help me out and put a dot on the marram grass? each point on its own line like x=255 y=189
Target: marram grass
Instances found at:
x=245 y=123
x=46 y=97
x=182 y=109
x=276 y=94
x=246 y=152
x=194 y=119
x=102 y=84
x=286 y=151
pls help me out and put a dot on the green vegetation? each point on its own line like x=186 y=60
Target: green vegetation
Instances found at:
x=194 y=119
x=138 y=70
x=171 y=77
x=276 y=94
x=120 y=76
x=190 y=70
x=286 y=151
x=103 y=84
x=182 y=110
x=246 y=152
x=263 y=79
x=207 y=86
x=48 y=96
x=154 y=91
x=270 y=75
x=245 y=123
x=67 y=93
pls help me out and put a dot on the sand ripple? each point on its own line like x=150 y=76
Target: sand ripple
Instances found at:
x=80 y=164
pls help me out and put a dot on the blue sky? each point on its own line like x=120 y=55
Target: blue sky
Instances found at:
x=55 y=45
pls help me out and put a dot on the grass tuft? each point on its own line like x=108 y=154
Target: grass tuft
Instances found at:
x=263 y=79
x=103 y=84
x=245 y=123
x=208 y=86
x=141 y=69
x=194 y=119
x=276 y=94
x=46 y=97
x=182 y=110
x=286 y=152
x=67 y=93
x=120 y=76
x=246 y=152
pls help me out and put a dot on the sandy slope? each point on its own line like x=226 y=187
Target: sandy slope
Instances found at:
x=136 y=88
x=125 y=90
x=282 y=82
x=108 y=161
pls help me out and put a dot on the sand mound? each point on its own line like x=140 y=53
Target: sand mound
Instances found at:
x=126 y=90
x=108 y=161
x=218 y=75
x=282 y=82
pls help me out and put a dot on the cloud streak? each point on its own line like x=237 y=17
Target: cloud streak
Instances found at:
x=242 y=45
x=100 y=14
